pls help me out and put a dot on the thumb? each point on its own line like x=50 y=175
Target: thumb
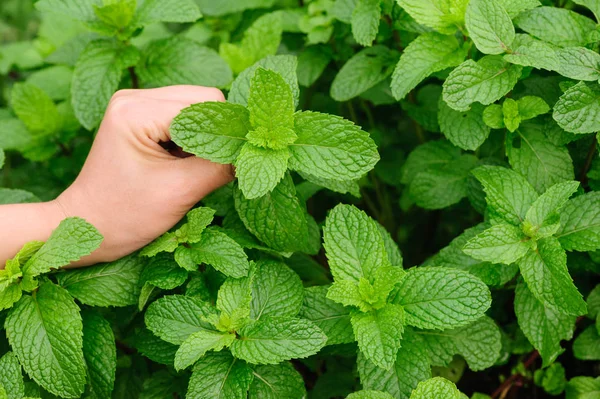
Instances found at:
x=204 y=176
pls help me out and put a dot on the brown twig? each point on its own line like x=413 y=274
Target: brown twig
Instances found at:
x=514 y=379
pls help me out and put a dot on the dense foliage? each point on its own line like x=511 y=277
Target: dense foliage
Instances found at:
x=477 y=157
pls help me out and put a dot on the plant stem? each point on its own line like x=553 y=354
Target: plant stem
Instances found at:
x=506 y=386
x=588 y=163
x=135 y=83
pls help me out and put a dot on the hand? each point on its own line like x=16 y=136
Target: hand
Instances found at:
x=130 y=188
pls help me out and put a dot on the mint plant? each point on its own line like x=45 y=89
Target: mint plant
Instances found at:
x=415 y=211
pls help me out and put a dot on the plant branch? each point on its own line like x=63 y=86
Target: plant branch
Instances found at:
x=514 y=379
x=135 y=83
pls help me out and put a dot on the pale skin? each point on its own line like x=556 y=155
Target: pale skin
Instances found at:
x=130 y=188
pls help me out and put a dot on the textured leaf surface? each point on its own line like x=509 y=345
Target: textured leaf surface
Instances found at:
x=221 y=252
x=167 y=11
x=484 y=81
x=436 y=387
x=279 y=381
x=259 y=170
x=501 y=243
x=163 y=272
x=276 y=291
x=274 y=340
x=583 y=388
x=212 y=130
x=181 y=61
x=107 y=284
x=197 y=344
x=270 y=101
x=332 y=318
x=466 y=130
x=578 y=109
x=550 y=202
x=10 y=376
x=100 y=355
x=544 y=327
x=579 y=63
x=441 y=298
x=378 y=333
x=218 y=375
x=428 y=53
x=489 y=26
x=35 y=108
x=365 y=21
x=557 y=26
x=369 y=395
x=587 y=345
x=440 y=15
x=80 y=10
x=45 y=332
x=580 y=223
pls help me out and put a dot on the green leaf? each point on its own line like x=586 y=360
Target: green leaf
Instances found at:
x=73 y=239
x=10 y=295
x=579 y=63
x=114 y=15
x=411 y=367
x=365 y=21
x=593 y=5
x=550 y=202
x=508 y=193
x=426 y=156
x=14 y=134
x=466 y=130
x=441 y=298
x=489 y=26
x=212 y=130
x=107 y=284
x=35 y=108
x=544 y=327
x=45 y=332
x=276 y=291
x=279 y=381
x=180 y=61
x=545 y=271
x=163 y=272
x=285 y=65
x=79 y=10
x=277 y=218
x=100 y=355
x=348 y=293
x=578 y=108
x=580 y=223
x=515 y=7
x=274 y=340
x=197 y=344
x=179 y=11
x=534 y=53
x=510 y=112
x=218 y=375
x=270 y=101
x=436 y=387
x=443 y=16
x=369 y=395
x=532 y=106
x=312 y=62
x=155 y=348
x=221 y=252
x=557 y=26
x=55 y=81
x=10 y=376
x=478 y=343
x=96 y=77
x=484 y=81
x=583 y=388
x=330 y=147
x=363 y=71
x=332 y=318
x=587 y=345
x=501 y=243
x=174 y=318
x=427 y=54
x=353 y=244
x=379 y=333
x=235 y=294
x=259 y=170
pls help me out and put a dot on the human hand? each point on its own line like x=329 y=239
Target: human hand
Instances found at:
x=130 y=188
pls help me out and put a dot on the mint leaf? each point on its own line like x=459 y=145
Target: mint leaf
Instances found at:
x=441 y=298
x=155 y=348
x=70 y=241
x=96 y=78
x=363 y=71
x=466 y=130
x=279 y=381
x=532 y=106
x=489 y=26
x=578 y=108
x=411 y=367
x=212 y=130
x=369 y=395
x=545 y=271
x=428 y=53
x=515 y=7
x=106 y=284
x=181 y=61
x=10 y=295
x=436 y=387
x=45 y=332
x=348 y=293
x=221 y=252
x=543 y=326
x=163 y=272
x=580 y=223
x=379 y=333
x=174 y=318
x=197 y=344
x=311 y=64
x=579 y=63
x=478 y=343
x=440 y=15
x=484 y=81
x=276 y=291
x=510 y=112
x=10 y=376
x=426 y=156
x=100 y=355
x=235 y=295
x=80 y=10
x=151 y=11
x=534 y=53
x=270 y=101
x=35 y=108
x=550 y=202
x=508 y=194
x=365 y=21
x=274 y=340
x=593 y=5
x=332 y=318
x=219 y=375
x=277 y=218
x=557 y=26
x=583 y=387
x=353 y=244
x=501 y=243
x=330 y=147
x=259 y=170
x=587 y=345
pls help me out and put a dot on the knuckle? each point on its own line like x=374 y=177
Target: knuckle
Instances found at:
x=119 y=106
x=214 y=94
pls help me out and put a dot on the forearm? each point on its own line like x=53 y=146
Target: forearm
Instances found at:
x=21 y=223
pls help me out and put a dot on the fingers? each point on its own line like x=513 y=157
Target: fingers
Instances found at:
x=205 y=176
x=184 y=93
